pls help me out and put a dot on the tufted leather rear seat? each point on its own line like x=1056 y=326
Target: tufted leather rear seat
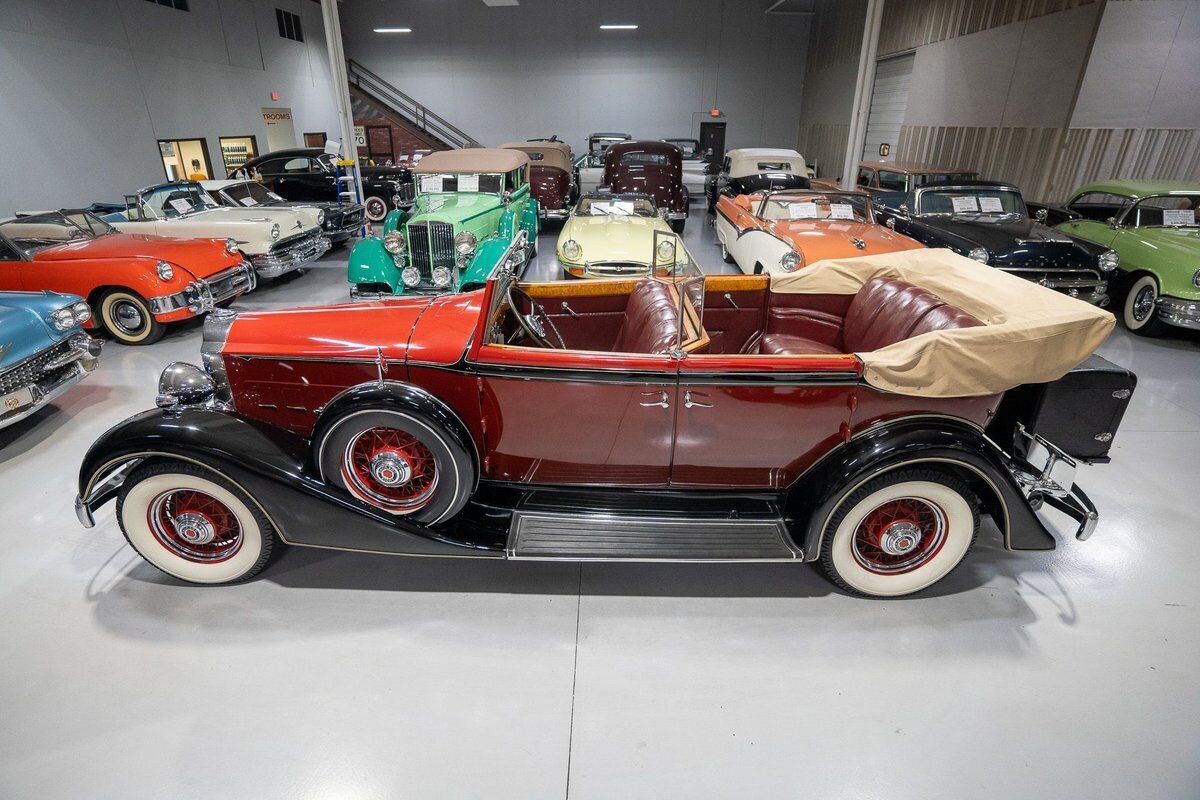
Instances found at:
x=884 y=311
x=651 y=323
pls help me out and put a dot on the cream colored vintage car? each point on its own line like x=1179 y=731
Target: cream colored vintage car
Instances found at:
x=275 y=240
x=613 y=235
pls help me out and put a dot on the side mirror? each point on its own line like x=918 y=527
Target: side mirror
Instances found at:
x=1112 y=223
x=904 y=207
x=507 y=196
x=1041 y=215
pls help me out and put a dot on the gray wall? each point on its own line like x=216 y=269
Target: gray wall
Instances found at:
x=544 y=67
x=90 y=85
x=831 y=73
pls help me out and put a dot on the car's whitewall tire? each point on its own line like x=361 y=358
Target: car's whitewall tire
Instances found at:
x=1139 y=312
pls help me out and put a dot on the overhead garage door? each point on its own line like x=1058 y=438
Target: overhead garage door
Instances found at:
x=889 y=99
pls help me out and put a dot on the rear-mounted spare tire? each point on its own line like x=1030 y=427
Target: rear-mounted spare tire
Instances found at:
x=397 y=462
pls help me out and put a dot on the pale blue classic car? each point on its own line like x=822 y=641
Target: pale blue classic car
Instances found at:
x=43 y=350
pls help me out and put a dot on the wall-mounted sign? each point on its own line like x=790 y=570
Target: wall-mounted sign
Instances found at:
x=884 y=149
x=360 y=135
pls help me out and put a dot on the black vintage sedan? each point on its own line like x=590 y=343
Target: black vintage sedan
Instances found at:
x=339 y=221
x=308 y=173
x=989 y=222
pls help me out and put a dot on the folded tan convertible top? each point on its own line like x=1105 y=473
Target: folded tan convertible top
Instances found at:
x=1030 y=334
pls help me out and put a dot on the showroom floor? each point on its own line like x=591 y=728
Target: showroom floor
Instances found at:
x=1068 y=674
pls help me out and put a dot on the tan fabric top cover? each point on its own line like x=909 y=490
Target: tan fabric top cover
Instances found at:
x=1030 y=334
x=471 y=159
x=554 y=154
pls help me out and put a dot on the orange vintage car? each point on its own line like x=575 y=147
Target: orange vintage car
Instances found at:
x=135 y=283
x=785 y=230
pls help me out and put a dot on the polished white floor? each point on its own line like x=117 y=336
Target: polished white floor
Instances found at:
x=1071 y=674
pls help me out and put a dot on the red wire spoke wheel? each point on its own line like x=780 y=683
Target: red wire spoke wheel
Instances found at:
x=195 y=526
x=900 y=535
x=390 y=468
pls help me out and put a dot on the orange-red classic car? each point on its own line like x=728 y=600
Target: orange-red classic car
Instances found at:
x=842 y=415
x=136 y=283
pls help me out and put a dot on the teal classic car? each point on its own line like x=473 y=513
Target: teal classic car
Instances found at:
x=473 y=211
x=1153 y=226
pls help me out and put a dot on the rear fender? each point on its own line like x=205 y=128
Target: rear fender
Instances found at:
x=939 y=442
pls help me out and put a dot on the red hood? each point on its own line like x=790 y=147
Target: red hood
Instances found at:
x=201 y=257
x=445 y=330
x=352 y=331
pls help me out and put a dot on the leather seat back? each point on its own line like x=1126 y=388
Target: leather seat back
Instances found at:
x=651 y=322
x=886 y=311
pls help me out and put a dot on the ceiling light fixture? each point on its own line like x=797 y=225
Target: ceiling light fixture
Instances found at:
x=393 y=30
x=618 y=27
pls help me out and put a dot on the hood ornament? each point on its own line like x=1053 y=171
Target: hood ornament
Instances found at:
x=859 y=243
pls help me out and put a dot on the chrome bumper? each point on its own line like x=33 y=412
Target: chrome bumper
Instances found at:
x=1180 y=313
x=284 y=260
x=1084 y=285
x=54 y=377
x=554 y=213
x=202 y=296
x=676 y=215
x=99 y=493
x=1047 y=475
x=358 y=294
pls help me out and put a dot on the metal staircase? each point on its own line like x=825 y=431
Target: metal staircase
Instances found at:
x=406 y=107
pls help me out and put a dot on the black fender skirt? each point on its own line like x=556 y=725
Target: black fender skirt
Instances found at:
x=273 y=466
x=916 y=442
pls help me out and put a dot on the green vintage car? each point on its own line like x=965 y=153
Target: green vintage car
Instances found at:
x=472 y=211
x=1154 y=229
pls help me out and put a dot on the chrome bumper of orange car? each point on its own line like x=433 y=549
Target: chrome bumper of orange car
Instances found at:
x=201 y=296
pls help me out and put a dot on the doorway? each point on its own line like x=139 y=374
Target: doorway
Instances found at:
x=889 y=101
x=237 y=150
x=712 y=137
x=185 y=159
x=379 y=144
x=281 y=134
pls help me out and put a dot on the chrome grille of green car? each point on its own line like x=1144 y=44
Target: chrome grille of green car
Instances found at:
x=431 y=245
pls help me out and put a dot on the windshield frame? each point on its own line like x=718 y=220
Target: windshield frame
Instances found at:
x=62 y=216
x=920 y=192
x=592 y=197
x=861 y=196
x=1130 y=211
x=455 y=175
x=144 y=205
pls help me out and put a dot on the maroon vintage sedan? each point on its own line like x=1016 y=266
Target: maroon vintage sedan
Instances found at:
x=653 y=168
x=551 y=176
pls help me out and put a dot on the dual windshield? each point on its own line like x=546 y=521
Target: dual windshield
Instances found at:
x=1165 y=211
x=40 y=231
x=177 y=200
x=446 y=183
x=970 y=201
x=616 y=205
x=816 y=205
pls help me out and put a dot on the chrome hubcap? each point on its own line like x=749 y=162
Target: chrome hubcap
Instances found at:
x=128 y=316
x=390 y=468
x=900 y=538
x=1143 y=304
x=195 y=528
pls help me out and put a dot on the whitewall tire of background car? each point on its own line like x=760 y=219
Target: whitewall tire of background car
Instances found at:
x=127 y=318
x=900 y=533
x=193 y=524
x=376 y=208
x=1140 y=309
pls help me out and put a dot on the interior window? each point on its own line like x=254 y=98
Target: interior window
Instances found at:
x=645 y=160
x=616 y=206
x=237 y=193
x=864 y=177
x=272 y=167
x=448 y=182
x=8 y=252
x=1098 y=206
x=301 y=164
x=892 y=181
x=1167 y=211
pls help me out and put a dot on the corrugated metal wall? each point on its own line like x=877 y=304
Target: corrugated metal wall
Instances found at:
x=823 y=146
x=911 y=23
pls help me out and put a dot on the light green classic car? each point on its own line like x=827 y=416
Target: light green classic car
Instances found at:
x=473 y=211
x=1154 y=229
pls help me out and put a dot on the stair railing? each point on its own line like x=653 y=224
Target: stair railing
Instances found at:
x=406 y=106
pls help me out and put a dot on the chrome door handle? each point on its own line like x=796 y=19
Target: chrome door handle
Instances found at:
x=688 y=402
x=663 y=398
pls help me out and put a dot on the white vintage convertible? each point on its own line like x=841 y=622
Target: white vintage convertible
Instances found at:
x=275 y=240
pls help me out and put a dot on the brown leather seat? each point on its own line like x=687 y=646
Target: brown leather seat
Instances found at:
x=651 y=323
x=883 y=312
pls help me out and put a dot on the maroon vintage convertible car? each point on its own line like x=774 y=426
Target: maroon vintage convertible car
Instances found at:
x=653 y=168
x=841 y=414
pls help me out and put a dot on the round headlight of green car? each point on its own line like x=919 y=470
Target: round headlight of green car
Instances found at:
x=978 y=254
x=666 y=250
x=165 y=271
x=410 y=276
x=465 y=243
x=1109 y=260
x=393 y=242
x=572 y=250
x=441 y=277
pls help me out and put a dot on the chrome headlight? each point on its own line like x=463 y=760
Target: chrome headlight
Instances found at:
x=165 y=271
x=666 y=250
x=465 y=243
x=393 y=242
x=978 y=254
x=410 y=276
x=1109 y=260
x=320 y=216
x=183 y=384
x=1196 y=279
x=791 y=261
x=441 y=277
x=231 y=246
x=275 y=231
x=82 y=312
x=572 y=250
x=63 y=318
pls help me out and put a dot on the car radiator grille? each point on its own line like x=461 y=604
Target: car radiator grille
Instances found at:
x=431 y=245
x=30 y=371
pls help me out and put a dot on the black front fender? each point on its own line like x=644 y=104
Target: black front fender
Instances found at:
x=271 y=465
x=922 y=441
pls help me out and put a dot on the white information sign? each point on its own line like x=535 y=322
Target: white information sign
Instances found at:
x=962 y=204
x=360 y=135
x=841 y=211
x=249 y=201
x=806 y=210
x=431 y=183
x=1179 y=216
x=468 y=183
x=991 y=205
x=181 y=205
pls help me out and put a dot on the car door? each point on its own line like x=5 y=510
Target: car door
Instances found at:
x=564 y=417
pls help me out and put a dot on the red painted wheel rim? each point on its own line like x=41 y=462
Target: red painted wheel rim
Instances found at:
x=899 y=536
x=390 y=468
x=195 y=526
